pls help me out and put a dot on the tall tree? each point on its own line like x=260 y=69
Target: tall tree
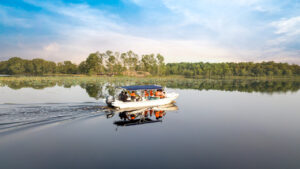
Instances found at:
x=94 y=63
x=161 y=65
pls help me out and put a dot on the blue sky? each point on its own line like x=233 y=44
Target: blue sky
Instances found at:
x=181 y=30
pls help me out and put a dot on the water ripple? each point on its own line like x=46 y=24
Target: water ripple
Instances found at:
x=16 y=115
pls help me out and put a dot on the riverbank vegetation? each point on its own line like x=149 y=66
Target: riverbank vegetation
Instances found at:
x=129 y=63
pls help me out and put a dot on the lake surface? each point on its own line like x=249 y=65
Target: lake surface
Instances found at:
x=219 y=124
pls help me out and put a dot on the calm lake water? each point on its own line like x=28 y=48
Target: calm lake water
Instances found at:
x=212 y=125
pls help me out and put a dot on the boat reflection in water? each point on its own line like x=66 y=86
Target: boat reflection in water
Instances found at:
x=142 y=116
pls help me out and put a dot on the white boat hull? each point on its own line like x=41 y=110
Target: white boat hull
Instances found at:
x=170 y=97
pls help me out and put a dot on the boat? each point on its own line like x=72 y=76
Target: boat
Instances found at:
x=140 y=100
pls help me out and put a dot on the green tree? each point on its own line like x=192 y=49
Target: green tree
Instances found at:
x=67 y=67
x=82 y=68
x=149 y=63
x=161 y=65
x=15 y=65
x=94 y=63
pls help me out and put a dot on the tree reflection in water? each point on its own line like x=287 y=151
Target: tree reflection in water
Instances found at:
x=103 y=88
x=249 y=86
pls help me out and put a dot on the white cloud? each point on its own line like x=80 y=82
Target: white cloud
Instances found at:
x=51 y=47
x=260 y=8
x=202 y=32
x=81 y=15
x=290 y=26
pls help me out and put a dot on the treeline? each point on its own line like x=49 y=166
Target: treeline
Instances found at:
x=232 y=69
x=18 y=66
x=110 y=63
x=115 y=63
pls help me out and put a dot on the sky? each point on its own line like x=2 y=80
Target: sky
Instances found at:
x=180 y=30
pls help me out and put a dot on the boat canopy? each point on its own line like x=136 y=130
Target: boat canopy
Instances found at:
x=143 y=87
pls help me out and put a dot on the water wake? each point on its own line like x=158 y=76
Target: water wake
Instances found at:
x=18 y=115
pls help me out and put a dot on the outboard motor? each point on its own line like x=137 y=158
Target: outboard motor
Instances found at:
x=109 y=100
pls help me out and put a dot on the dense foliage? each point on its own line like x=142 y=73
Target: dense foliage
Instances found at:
x=116 y=63
x=232 y=69
x=96 y=63
x=18 y=66
x=113 y=63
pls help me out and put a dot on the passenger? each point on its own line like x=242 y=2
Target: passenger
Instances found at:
x=151 y=93
x=162 y=94
x=150 y=111
x=133 y=96
x=125 y=97
x=159 y=94
x=146 y=94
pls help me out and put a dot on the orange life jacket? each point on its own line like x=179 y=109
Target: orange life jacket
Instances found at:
x=132 y=94
x=162 y=95
x=146 y=94
x=157 y=93
x=151 y=93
